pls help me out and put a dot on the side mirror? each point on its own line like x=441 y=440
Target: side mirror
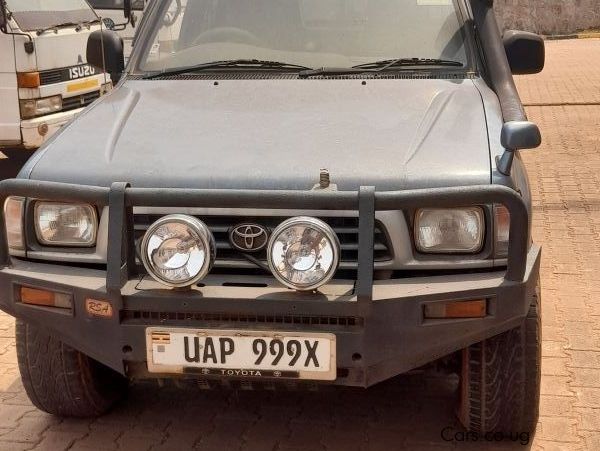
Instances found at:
x=516 y=136
x=105 y=51
x=127 y=8
x=520 y=135
x=128 y=13
x=526 y=52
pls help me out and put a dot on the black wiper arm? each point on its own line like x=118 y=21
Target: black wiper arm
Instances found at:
x=377 y=66
x=79 y=25
x=330 y=71
x=87 y=23
x=390 y=63
x=55 y=27
x=250 y=63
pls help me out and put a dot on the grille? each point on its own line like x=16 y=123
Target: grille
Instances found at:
x=49 y=77
x=150 y=316
x=346 y=229
x=72 y=103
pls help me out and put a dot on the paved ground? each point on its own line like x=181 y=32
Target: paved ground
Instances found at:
x=565 y=172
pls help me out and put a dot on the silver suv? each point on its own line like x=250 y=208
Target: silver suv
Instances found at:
x=297 y=192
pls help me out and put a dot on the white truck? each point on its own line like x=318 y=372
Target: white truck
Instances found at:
x=45 y=80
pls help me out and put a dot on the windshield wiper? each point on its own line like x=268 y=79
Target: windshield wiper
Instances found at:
x=78 y=25
x=378 y=66
x=330 y=71
x=391 y=63
x=247 y=63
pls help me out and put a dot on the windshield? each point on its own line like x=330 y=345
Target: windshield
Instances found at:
x=311 y=33
x=38 y=14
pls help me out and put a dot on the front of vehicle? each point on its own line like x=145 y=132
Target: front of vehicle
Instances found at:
x=293 y=191
x=54 y=81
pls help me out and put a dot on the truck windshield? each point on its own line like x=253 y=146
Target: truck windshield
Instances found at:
x=308 y=33
x=40 y=14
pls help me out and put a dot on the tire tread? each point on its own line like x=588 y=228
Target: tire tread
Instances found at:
x=61 y=380
x=503 y=378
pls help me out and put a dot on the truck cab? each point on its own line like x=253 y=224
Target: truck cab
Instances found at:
x=45 y=80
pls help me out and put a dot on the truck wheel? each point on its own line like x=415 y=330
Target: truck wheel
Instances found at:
x=61 y=380
x=500 y=380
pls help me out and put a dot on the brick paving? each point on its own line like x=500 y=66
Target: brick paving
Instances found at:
x=565 y=174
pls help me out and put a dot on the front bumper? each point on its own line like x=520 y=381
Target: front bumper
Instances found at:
x=379 y=325
x=34 y=132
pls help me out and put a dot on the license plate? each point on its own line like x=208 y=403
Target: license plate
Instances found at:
x=246 y=354
x=85 y=70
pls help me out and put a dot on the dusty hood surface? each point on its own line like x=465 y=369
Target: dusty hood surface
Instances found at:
x=275 y=134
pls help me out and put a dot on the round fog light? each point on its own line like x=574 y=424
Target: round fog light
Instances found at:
x=178 y=250
x=303 y=253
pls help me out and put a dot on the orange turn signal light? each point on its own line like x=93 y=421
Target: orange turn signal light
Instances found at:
x=45 y=298
x=28 y=80
x=456 y=309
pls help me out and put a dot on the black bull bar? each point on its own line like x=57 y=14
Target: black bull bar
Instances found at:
x=121 y=198
x=118 y=334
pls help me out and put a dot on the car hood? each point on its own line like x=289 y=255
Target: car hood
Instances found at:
x=275 y=134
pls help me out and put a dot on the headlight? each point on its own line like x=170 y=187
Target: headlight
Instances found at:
x=178 y=250
x=449 y=230
x=58 y=224
x=303 y=253
x=502 y=229
x=31 y=108
x=13 y=216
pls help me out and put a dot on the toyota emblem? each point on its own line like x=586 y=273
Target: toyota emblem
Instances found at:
x=249 y=237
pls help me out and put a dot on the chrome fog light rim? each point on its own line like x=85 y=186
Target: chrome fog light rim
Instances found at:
x=206 y=242
x=328 y=234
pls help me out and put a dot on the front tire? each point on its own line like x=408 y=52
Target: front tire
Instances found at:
x=61 y=380
x=500 y=379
